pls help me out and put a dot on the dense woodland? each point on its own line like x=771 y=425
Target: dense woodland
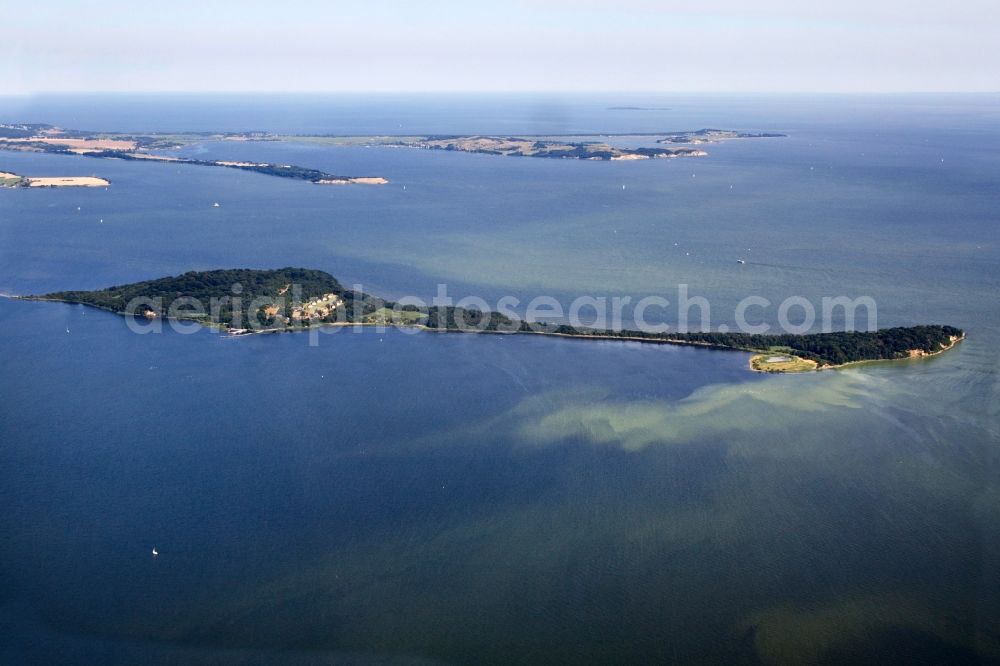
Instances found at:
x=233 y=290
x=824 y=348
x=288 y=287
x=15 y=132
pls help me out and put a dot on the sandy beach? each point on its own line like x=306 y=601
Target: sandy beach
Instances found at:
x=361 y=180
x=69 y=181
x=78 y=145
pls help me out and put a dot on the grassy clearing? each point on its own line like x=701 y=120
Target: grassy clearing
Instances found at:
x=389 y=317
x=787 y=363
x=12 y=180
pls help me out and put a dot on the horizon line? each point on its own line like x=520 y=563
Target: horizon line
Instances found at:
x=547 y=92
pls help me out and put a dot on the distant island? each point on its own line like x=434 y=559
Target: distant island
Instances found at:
x=569 y=147
x=552 y=148
x=639 y=108
x=714 y=135
x=288 y=299
x=115 y=145
x=557 y=146
x=49 y=139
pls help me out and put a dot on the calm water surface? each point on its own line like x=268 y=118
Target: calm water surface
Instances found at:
x=401 y=498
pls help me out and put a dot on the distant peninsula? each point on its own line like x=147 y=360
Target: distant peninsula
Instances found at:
x=49 y=139
x=289 y=299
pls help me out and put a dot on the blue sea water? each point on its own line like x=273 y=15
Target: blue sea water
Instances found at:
x=388 y=496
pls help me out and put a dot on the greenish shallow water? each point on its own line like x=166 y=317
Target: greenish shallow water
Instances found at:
x=394 y=497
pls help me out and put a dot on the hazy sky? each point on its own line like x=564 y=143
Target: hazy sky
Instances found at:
x=561 y=45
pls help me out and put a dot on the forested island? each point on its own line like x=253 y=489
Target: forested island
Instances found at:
x=266 y=301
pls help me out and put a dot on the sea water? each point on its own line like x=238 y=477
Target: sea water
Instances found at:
x=428 y=497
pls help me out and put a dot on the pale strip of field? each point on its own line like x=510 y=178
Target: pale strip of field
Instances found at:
x=79 y=144
x=70 y=181
x=360 y=180
x=349 y=140
x=781 y=363
x=155 y=158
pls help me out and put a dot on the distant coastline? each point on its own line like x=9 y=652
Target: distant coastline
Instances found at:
x=105 y=145
x=582 y=147
x=36 y=137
